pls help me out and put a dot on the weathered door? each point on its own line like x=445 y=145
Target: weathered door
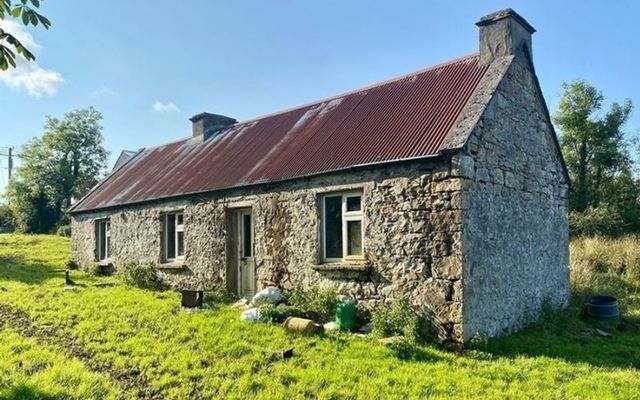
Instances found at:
x=246 y=263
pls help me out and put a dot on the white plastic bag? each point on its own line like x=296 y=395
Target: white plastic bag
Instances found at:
x=250 y=315
x=269 y=295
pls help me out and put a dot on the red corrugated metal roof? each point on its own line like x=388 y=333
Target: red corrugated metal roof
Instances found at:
x=403 y=118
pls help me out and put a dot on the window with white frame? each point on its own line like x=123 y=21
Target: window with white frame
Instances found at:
x=172 y=236
x=103 y=236
x=341 y=221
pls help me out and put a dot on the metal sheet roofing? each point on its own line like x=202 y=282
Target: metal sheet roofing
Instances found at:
x=403 y=118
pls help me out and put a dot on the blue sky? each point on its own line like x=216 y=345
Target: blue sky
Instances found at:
x=247 y=58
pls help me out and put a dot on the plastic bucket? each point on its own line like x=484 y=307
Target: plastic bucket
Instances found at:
x=603 y=308
x=346 y=315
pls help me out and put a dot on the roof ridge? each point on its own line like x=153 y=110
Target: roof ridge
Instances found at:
x=360 y=89
x=311 y=103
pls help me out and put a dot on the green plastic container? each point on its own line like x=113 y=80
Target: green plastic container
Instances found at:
x=346 y=315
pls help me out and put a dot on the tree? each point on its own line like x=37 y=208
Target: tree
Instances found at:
x=62 y=165
x=597 y=154
x=9 y=44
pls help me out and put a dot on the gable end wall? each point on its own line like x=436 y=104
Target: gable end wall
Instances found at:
x=515 y=230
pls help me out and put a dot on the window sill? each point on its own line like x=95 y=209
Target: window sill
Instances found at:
x=357 y=266
x=175 y=265
x=104 y=263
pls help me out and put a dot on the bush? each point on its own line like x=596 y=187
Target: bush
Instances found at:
x=91 y=269
x=398 y=319
x=64 y=230
x=321 y=302
x=278 y=314
x=7 y=222
x=220 y=294
x=142 y=275
x=597 y=221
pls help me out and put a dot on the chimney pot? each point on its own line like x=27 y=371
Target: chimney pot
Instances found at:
x=206 y=125
x=504 y=33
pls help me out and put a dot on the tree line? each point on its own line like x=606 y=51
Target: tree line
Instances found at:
x=69 y=158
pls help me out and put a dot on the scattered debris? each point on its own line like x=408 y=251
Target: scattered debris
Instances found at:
x=279 y=355
x=71 y=288
x=390 y=340
x=240 y=304
x=331 y=326
x=250 y=315
x=595 y=332
x=366 y=328
x=269 y=295
x=303 y=325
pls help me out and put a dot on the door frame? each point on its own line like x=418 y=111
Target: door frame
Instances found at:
x=239 y=215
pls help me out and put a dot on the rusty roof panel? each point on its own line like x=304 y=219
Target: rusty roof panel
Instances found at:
x=407 y=117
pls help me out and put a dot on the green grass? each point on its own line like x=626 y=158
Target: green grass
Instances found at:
x=144 y=334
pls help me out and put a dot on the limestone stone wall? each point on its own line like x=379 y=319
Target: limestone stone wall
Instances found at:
x=515 y=218
x=412 y=237
x=487 y=224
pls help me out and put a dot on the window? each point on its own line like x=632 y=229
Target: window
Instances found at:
x=247 y=249
x=103 y=230
x=173 y=236
x=342 y=227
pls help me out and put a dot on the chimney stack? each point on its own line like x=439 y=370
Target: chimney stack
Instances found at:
x=504 y=33
x=206 y=125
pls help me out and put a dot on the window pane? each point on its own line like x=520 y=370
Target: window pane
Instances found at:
x=246 y=235
x=171 y=236
x=101 y=240
x=180 y=219
x=107 y=247
x=180 y=244
x=354 y=233
x=333 y=227
x=353 y=203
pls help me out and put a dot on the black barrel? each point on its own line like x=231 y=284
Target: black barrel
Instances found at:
x=603 y=308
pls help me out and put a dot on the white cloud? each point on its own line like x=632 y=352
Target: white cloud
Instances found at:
x=28 y=75
x=103 y=92
x=165 y=107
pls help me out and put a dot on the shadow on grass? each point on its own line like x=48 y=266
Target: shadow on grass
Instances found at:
x=568 y=335
x=24 y=391
x=17 y=268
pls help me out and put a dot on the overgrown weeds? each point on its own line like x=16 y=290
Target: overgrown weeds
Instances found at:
x=399 y=319
x=142 y=275
x=321 y=302
x=605 y=266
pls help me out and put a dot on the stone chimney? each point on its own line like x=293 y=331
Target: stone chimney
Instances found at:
x=504 y=33
x=206 y=125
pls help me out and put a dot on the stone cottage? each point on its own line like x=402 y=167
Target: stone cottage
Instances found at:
x=445 y=187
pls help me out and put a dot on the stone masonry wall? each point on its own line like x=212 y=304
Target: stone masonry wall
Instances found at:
x=515 y=234
x=412 y=237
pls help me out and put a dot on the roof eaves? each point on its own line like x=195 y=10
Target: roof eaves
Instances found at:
x=257 y=184
x=71 y=209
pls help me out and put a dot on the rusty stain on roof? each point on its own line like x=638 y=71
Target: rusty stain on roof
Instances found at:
x=404 y=118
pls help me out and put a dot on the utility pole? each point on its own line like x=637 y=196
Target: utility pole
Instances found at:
x=9 y=154
x=10 y=161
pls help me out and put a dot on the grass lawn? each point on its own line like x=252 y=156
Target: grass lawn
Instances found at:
x=106 y=340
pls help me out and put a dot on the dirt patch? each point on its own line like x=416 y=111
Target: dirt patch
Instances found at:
x=132 y=382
